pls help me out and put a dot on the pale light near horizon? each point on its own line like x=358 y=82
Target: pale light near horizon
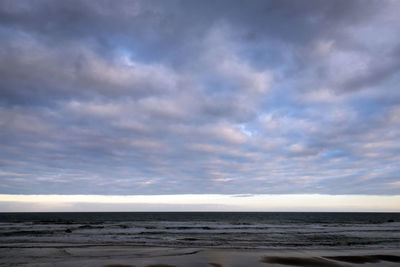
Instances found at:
x=200 y=202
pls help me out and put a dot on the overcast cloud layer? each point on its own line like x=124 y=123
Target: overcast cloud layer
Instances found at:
x=218 y=97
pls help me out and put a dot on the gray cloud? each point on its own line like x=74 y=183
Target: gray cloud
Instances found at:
x=154 y=97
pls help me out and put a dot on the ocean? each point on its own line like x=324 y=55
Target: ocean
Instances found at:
x=239 y=230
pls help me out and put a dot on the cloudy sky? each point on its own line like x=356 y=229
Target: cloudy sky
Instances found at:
x=200 y=97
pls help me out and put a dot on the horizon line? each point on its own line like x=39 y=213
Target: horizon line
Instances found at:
x=199 y=203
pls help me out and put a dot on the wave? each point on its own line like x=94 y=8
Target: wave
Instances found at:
x=245 y=232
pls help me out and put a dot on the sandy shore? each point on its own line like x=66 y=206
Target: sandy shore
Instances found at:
x=124 y=256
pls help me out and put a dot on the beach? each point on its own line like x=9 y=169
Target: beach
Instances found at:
x=199 y=239
x=123 y=256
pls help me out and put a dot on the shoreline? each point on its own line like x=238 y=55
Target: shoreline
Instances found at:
x=124 y=256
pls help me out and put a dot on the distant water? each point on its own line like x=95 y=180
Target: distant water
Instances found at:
x=203 y=229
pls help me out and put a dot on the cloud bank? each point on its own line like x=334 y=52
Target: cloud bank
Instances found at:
x=194 y=97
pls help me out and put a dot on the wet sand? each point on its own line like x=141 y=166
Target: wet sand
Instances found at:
x=124 y=256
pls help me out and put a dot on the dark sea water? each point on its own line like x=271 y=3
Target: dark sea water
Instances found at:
x=203 y=229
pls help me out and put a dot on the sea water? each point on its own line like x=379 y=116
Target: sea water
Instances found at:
x=203 y=229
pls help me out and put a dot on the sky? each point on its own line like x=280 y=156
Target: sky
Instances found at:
x=179 y=98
